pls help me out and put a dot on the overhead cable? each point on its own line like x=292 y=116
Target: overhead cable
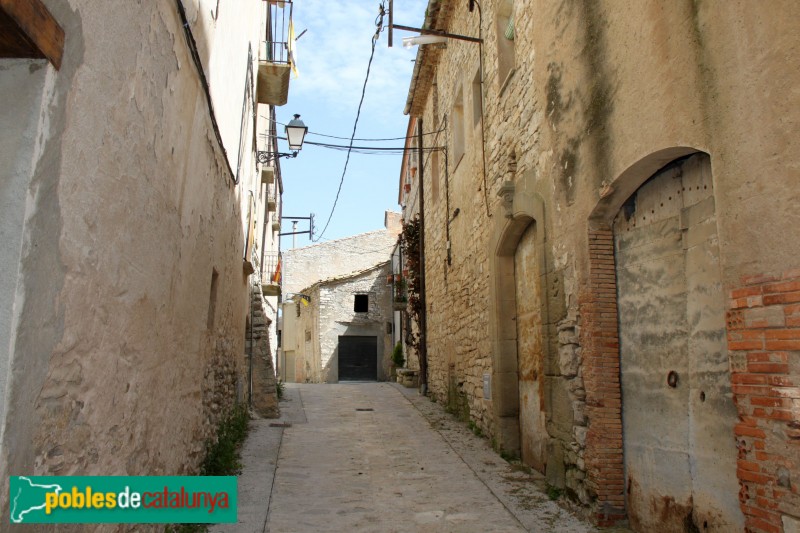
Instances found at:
x=379 y=25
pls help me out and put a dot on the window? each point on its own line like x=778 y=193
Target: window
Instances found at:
x=434 y=176
x=458 y=126
x=361 y=303
x=477 y=105
x=212 y=299
x=505 y=40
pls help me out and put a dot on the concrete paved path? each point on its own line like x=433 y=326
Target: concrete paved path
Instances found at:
x=376 y=457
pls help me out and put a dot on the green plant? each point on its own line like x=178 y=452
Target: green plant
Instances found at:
x=222 y=455
x=397 y=356
x=553 y=493
x=280 y=388
x=410 y=241
x=186 y=528
x=507 y=456
x=475 y=429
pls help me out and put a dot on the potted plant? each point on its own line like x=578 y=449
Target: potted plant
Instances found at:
x=397 y=359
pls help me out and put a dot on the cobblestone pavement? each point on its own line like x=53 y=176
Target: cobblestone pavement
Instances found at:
x=376 y=457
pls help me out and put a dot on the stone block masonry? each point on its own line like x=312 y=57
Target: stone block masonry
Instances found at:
x=764 y=342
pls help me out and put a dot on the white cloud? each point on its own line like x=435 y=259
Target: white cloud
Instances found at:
x=334 y=52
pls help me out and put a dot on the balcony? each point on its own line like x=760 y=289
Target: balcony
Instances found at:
x=399 y=292
x=271 y=275
x=267 y=175
x=274 y=55
x=272 y=199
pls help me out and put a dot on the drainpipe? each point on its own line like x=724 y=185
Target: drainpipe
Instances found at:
x=423 y=321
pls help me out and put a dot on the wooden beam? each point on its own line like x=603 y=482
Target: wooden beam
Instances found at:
x=29 y=30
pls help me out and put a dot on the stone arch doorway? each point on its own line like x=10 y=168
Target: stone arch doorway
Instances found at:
x=517 y=311
x=677 y=410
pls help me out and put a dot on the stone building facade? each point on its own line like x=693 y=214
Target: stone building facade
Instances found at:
x=133 y=220
x=331 y=339
x=320 y=286
x=611 y=269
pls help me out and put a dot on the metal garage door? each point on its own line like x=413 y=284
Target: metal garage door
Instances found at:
x=358 y=358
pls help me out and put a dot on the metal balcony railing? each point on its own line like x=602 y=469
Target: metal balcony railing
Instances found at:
x=276 y=40
x=399 y=292
x=271 y=277
x=275 y=54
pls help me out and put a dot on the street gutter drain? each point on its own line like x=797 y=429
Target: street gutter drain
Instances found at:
x=364 y=409
x=280 y=425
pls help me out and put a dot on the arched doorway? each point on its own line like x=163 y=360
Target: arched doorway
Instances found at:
x=529 y=323
x=517 y=391
x=677 y=409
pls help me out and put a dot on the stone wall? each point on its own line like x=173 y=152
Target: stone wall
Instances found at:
x=123 y=242
x=264 y=394
x=307 y=265
x=598 y=100
x=331 y=315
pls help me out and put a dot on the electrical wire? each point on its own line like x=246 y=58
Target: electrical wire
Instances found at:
x=379 y=24
x=363 y=149
x=356 y=138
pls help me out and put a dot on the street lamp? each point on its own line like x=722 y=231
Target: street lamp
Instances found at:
x=295 y=133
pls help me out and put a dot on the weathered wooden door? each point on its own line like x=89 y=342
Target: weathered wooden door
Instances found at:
x=533 y=433
x=677 y=409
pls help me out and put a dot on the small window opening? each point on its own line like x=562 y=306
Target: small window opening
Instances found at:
x=505 y=39
x=212 y=299
x=477 y=107
x=458 y=126
x=361 y=303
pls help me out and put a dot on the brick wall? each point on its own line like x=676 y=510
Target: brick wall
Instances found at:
x=600 y=341
x=764 y=342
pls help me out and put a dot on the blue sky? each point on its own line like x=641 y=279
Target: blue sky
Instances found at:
x=332 y=59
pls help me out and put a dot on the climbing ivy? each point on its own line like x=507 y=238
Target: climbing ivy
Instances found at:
x=410 y=242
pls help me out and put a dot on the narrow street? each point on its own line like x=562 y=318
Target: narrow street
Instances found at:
x=379 y=457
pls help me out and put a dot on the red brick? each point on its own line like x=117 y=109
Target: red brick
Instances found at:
x=741 y=430
x=767 y=357
x=758 y=278
x=779 y=459
x=761 y=513
x=782 y=298
x=770 y=402
x=790 y=333
x=783 y=286
x=755 y=477
x=781 y=381
x=793 y=309
x=756 y=525
x=746 y=345
x=751 y=389
x=748 y=465
x=738 y=303
x=774 y=414
x=791 y=274
x=766 y=503
x=768 y=368
x=747 y=291
x=752 y=379
x=775 y=344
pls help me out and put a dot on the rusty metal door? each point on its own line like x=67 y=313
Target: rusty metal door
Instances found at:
x=677 y=409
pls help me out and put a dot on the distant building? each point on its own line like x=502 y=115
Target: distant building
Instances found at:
x=337 y=314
